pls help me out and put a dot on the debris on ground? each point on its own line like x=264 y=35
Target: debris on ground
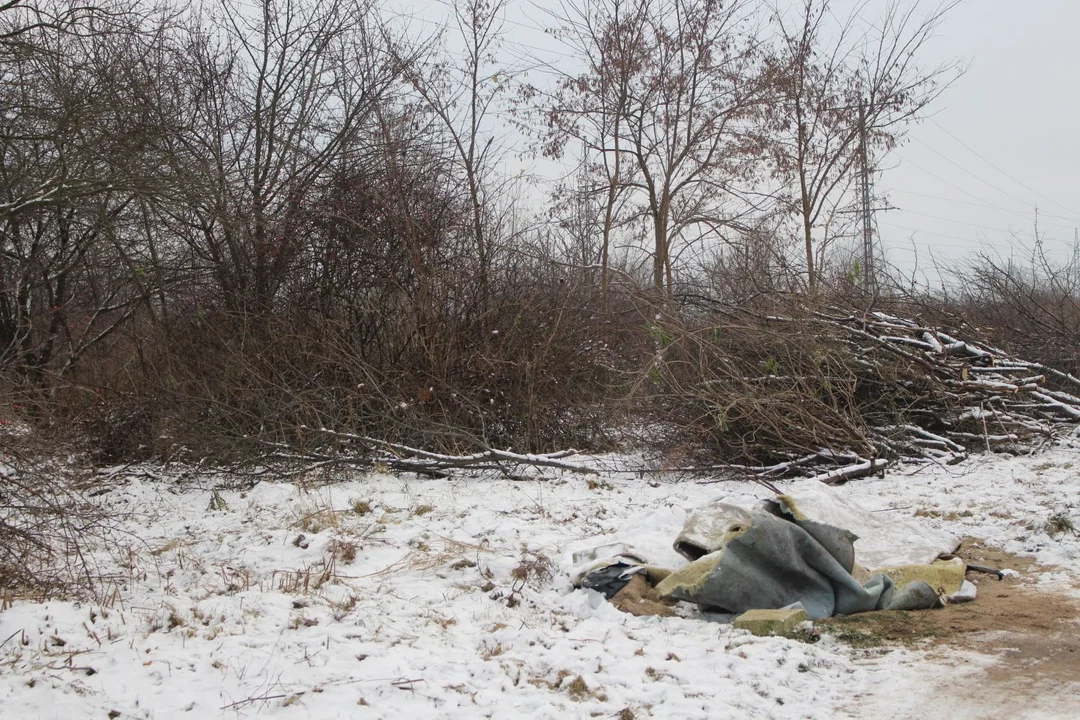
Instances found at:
x=780 y=556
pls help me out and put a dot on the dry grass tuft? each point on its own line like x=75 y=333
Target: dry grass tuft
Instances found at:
x=577 y=689
x=307 y=579
x=1059 y=524
x=342 y=551
x=534 y=569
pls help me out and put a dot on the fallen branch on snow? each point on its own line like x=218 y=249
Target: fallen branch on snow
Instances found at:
x=409 y=459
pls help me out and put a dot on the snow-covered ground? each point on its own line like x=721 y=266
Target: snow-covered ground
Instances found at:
x=387 y=597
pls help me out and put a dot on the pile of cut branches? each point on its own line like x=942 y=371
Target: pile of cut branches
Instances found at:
x=336 y=448
x=842 y=394
x=980 y=397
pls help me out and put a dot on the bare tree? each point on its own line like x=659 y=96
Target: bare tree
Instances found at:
x=23 y=17
x=463 y=92
x=79 y=142
x=842 y=91
x=686 y=122
x=665 y=103
x=275 y=100
x=591 y=106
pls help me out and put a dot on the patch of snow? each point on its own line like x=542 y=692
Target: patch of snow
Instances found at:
x=387 y=597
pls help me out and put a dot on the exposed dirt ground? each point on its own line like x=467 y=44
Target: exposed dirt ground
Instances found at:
x=1026 y=635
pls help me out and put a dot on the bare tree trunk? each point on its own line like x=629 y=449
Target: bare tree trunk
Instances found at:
x=807 y=217
x=609 y=211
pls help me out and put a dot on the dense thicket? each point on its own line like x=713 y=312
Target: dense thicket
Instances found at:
x=225 y=229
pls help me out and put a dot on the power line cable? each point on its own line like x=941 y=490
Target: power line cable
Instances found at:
x=958 y=222
x=976 y=153
x=983 y=202
x=965 y=240
x=968 y=241
x=942 y=180
x=1075 y=222
x=964 y=170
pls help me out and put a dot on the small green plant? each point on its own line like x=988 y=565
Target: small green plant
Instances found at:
x=661 y=336
x=855 y=273
x=720 y=415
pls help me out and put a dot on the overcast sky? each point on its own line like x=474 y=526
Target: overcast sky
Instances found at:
x=1003 y=139
x=1000 y=142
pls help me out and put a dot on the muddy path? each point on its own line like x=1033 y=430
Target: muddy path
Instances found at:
x=1013 y=653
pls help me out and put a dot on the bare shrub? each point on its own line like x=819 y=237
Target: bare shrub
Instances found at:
x=749 y=392
x=532 y=374
x=1028 y=306
x=46 y=528
x=534 y=569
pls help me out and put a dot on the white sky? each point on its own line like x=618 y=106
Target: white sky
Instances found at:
x=1000 y=142
x=1003 y=139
